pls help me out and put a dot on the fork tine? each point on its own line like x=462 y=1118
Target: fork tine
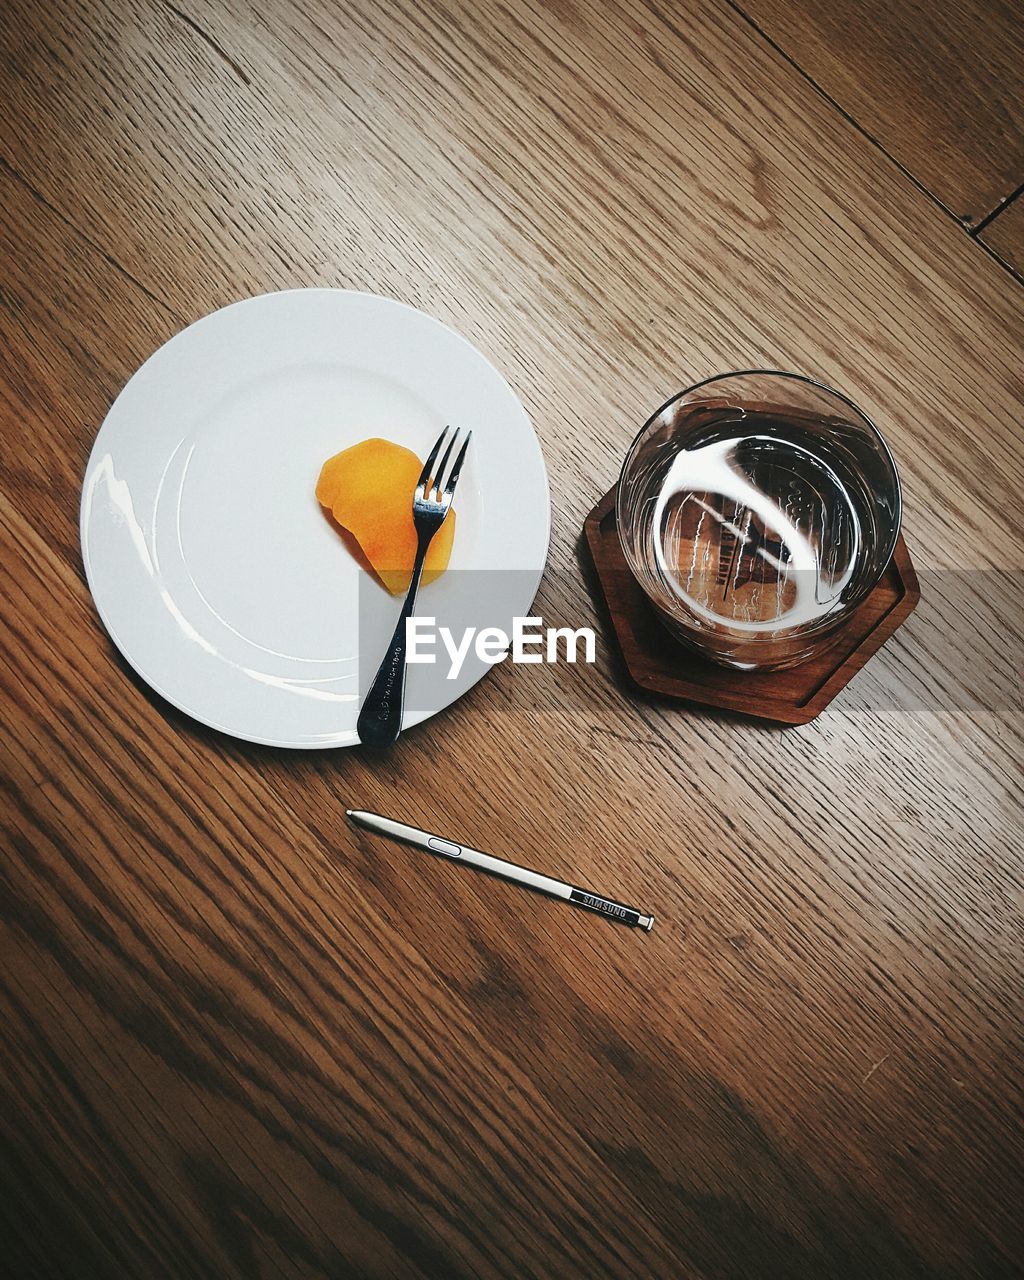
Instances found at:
x=444 y=462
x=425 y=474
x=453 y=479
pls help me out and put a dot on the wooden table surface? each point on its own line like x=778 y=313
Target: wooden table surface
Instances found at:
x=242 y=1040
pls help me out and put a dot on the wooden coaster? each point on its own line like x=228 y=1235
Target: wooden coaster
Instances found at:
x=656 y=661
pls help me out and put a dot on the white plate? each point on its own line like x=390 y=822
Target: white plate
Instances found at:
x=213 y=567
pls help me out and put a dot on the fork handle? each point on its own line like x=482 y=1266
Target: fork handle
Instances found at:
x=380 y=717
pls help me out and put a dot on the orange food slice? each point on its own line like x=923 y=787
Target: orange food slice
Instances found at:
x=368 y=489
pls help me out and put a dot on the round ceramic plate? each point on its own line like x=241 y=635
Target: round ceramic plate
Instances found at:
x=213 y=567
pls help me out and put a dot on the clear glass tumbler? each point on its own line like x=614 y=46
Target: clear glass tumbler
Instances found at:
x=757 y=510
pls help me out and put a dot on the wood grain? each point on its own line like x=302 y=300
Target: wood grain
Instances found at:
x=1005 y=235
x=242 y=1039
x=940 y=87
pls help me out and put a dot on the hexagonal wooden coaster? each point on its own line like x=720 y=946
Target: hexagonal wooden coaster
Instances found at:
x=656 y=661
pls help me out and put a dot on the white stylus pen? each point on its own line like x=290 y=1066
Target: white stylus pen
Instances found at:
x=499 y=867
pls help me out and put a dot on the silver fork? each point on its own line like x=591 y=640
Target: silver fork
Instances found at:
x=380 y=717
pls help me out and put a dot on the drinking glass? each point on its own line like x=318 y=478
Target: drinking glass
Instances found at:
x=757 y=510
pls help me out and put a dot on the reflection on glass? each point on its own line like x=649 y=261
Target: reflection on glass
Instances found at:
x=757 y=511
